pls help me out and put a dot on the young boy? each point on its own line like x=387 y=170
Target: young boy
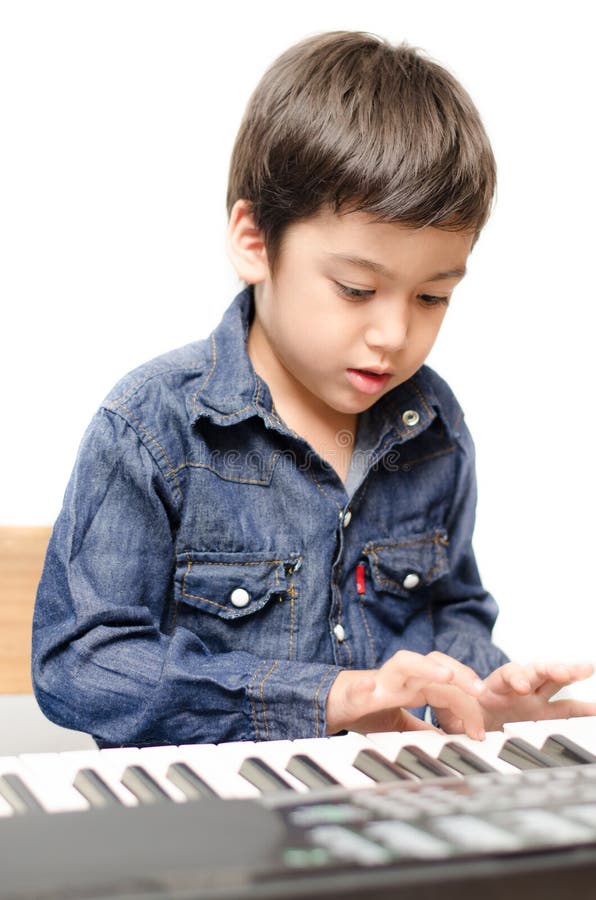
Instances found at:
x=268 y=534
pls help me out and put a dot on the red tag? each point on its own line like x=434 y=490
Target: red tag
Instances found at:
x=360 y=586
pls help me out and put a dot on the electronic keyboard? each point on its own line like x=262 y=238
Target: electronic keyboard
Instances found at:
x=405 y=815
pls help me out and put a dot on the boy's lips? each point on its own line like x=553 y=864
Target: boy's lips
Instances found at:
x=368 y=381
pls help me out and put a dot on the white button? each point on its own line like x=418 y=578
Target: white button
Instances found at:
x=411 y=581
x=240 y=597
x=346 y=518
x=410 y=417
x=339 y=632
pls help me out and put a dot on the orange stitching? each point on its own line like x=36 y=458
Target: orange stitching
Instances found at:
x=316 y=698
x=253 y=704
x=262 y=696
x=322 y=490
x=292 y=596
x=197 y=465
x=154 y=441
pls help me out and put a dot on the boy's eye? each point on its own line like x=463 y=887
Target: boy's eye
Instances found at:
x=432 y=300
x=353 y=293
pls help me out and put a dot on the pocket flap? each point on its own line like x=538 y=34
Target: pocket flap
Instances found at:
x=232 y=585
x=403 y=567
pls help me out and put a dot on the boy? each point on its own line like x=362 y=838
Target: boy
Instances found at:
x=268 y=534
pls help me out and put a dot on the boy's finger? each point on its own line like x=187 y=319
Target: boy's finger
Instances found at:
x=460 y=705
x=463 y=676
x=410 y=666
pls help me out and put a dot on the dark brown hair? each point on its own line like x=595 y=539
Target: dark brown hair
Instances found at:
x=346 y=120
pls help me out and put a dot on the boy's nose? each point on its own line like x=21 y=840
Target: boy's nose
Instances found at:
x=389 y=333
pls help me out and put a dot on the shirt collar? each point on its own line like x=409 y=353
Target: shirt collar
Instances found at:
x=231 y=390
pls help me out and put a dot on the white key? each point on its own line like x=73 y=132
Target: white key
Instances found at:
x=276 y=754
x=391 y=742
x=109 y=764
x=218 y=765
x=12 y=765
x=336 y=755
x=49 y=771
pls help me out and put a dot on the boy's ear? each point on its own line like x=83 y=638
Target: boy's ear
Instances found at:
x=245 y=244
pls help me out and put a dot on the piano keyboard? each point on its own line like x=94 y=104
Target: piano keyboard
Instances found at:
x=398 y=804
x=81 y=780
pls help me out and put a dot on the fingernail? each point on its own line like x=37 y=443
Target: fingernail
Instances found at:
x=478 y=685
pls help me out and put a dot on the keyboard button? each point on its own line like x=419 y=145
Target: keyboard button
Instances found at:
x=407 y=841
x=349 y=846
x=475 y=834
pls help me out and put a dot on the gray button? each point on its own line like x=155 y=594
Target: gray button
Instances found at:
x=297 y=565
x=411 y=581
x=240 y=597
x=346 y=518
x=339 y=632
x=410 y=417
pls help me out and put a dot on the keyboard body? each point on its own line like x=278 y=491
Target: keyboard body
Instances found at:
x=495 y=836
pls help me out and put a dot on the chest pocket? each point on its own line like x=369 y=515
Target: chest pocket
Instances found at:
x=238 y=601
x=401 y=572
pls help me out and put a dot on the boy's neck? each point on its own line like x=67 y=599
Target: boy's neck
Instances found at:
x=329 y=432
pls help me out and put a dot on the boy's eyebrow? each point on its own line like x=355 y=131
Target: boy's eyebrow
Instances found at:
x=364 y=263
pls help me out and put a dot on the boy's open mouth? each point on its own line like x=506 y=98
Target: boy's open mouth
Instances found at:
x=366 y=381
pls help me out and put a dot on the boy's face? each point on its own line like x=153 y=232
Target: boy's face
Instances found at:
x=338 y=334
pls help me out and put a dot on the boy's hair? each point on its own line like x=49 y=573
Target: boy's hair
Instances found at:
x=345 y=120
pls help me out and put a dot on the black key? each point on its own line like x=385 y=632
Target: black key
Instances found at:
x=377 y=767
x=419 y=763
x=523 y=755
x=187 y=781
x=310 y=772
x=94 y=789
x=262 y=776
x=566 y=752
x=463 y=760
x=145 y=788
x=17 y=795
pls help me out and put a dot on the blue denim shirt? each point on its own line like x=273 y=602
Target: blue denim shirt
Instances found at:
x=205 y=555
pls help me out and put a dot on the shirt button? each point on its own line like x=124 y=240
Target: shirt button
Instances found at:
x=339 y=632
x=411 y=581
x=410 y=417
x=346 y=518
x=240 y=597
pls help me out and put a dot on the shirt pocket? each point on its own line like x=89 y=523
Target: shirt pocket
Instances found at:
x=401 y=573
x=238 y=601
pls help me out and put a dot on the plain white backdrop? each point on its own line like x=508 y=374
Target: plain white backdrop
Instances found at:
x=117 y=120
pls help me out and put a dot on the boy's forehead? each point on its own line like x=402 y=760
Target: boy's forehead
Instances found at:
x=357 y=240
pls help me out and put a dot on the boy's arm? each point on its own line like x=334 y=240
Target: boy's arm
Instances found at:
x=107 y=658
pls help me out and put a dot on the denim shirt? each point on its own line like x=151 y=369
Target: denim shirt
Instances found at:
x=209 y=574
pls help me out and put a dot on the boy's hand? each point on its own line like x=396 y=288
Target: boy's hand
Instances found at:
x=515 y=693
x=373 y=700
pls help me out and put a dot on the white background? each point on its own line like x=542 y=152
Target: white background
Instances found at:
x=117 y=121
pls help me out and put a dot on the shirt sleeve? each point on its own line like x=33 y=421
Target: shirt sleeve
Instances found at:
x=464 y=613
x=105 y=657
